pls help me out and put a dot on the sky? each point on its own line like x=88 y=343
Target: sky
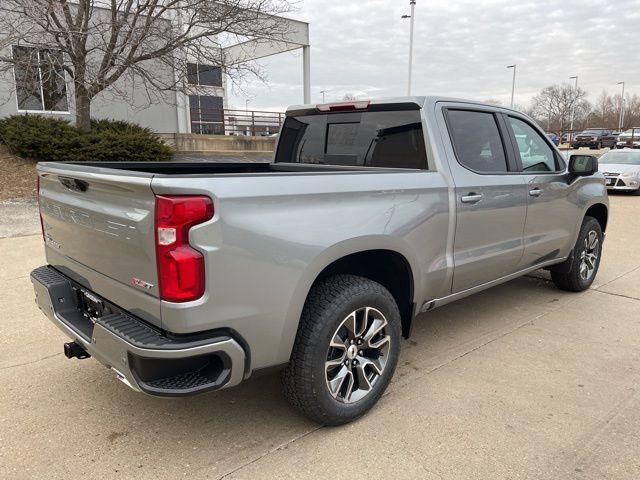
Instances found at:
x=461 y=49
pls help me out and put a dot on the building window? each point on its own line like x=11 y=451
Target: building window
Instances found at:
x=204 y=75
x=40 y=82
x=207 y=114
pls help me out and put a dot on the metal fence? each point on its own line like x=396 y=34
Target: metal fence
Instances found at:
x=235 y=122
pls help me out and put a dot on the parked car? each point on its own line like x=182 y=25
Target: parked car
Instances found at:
x=621 y=169
x=554 y=138
x=189 y=277
x=594 y=138
x=629 y=139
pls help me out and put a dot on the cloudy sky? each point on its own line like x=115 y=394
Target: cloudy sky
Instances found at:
x=462 y=48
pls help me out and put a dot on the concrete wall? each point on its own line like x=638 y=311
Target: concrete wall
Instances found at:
x=220 y=143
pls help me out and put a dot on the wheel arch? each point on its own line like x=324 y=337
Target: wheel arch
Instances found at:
x=600 y=212
x=386 y=267
x=353 y=253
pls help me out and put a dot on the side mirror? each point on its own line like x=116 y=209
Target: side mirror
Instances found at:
x=583 y=165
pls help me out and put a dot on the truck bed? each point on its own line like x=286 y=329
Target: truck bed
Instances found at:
x=211 y=168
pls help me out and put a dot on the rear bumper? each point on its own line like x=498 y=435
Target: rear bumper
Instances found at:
x=143 y=357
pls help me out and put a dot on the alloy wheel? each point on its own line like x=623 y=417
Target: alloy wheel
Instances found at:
x=589 y=255
x=357 y=355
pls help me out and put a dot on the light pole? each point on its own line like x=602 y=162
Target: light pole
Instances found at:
x=246 y=105
x=513 y=83
x=412 y=3
x=573 y=105
x=621 y=121
x=323 y=92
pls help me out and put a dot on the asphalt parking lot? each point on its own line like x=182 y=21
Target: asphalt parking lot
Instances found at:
x=520 y=381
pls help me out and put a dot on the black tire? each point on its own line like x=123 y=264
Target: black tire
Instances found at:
x=572 y=279
x=306 y=378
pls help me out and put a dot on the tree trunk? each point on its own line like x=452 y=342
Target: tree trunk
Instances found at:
x=83 y=109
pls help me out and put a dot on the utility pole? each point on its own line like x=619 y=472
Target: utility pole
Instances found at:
x=573 y=107
x=513 y=83
x=412 y=3
x=323 y=92
x=573 y=103
x=621 y=121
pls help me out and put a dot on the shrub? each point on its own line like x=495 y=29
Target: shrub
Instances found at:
x=51 y=139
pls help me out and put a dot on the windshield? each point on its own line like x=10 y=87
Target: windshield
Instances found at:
x=392 y=139
x=592 y=132
x=629 y=157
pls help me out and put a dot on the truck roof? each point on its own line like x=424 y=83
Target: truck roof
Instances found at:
x=420 y=101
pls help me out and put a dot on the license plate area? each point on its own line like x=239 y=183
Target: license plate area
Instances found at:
x=89 y=305
x=611 y=181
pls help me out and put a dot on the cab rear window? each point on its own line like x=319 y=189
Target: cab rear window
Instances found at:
x=391 y=139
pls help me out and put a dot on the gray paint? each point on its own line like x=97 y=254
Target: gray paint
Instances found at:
x=273 y=233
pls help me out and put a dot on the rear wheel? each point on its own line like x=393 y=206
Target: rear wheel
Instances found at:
x=346 y=350
x=585 y=259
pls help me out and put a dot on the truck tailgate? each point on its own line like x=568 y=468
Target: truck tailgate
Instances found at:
x=99 y=229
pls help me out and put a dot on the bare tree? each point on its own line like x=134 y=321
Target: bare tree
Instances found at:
x=606 y=111
x=632 y=109
x=101 y=43
x=349 y=97
x=555 y=105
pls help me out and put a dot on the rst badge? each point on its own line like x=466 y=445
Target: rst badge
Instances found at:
x=136 y=282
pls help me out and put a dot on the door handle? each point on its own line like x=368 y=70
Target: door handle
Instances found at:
x=471 y=198
x=535 y=192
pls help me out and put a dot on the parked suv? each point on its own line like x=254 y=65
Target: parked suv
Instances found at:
x=187 y=278
x=594 y=138
x=629 y=139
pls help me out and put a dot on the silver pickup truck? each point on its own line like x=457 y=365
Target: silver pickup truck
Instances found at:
x=186 y=278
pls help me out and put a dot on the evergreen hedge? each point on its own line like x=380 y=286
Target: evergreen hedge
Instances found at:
x=52 y=139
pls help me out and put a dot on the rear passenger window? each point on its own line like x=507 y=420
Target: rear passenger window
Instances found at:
x=477 y=141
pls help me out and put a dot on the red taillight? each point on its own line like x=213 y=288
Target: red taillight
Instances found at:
x=343 y=106
x=39 y=210
x=180 y=267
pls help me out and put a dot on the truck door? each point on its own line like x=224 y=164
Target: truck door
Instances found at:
x=551 y=216
x=490 y=198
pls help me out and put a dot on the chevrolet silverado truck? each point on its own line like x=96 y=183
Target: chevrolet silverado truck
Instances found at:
x=595 y=138
x=184 y=278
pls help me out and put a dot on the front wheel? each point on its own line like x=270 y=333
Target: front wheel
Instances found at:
x=346 y=350
x=585 y=259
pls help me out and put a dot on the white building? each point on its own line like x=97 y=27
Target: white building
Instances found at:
x=199 y=110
